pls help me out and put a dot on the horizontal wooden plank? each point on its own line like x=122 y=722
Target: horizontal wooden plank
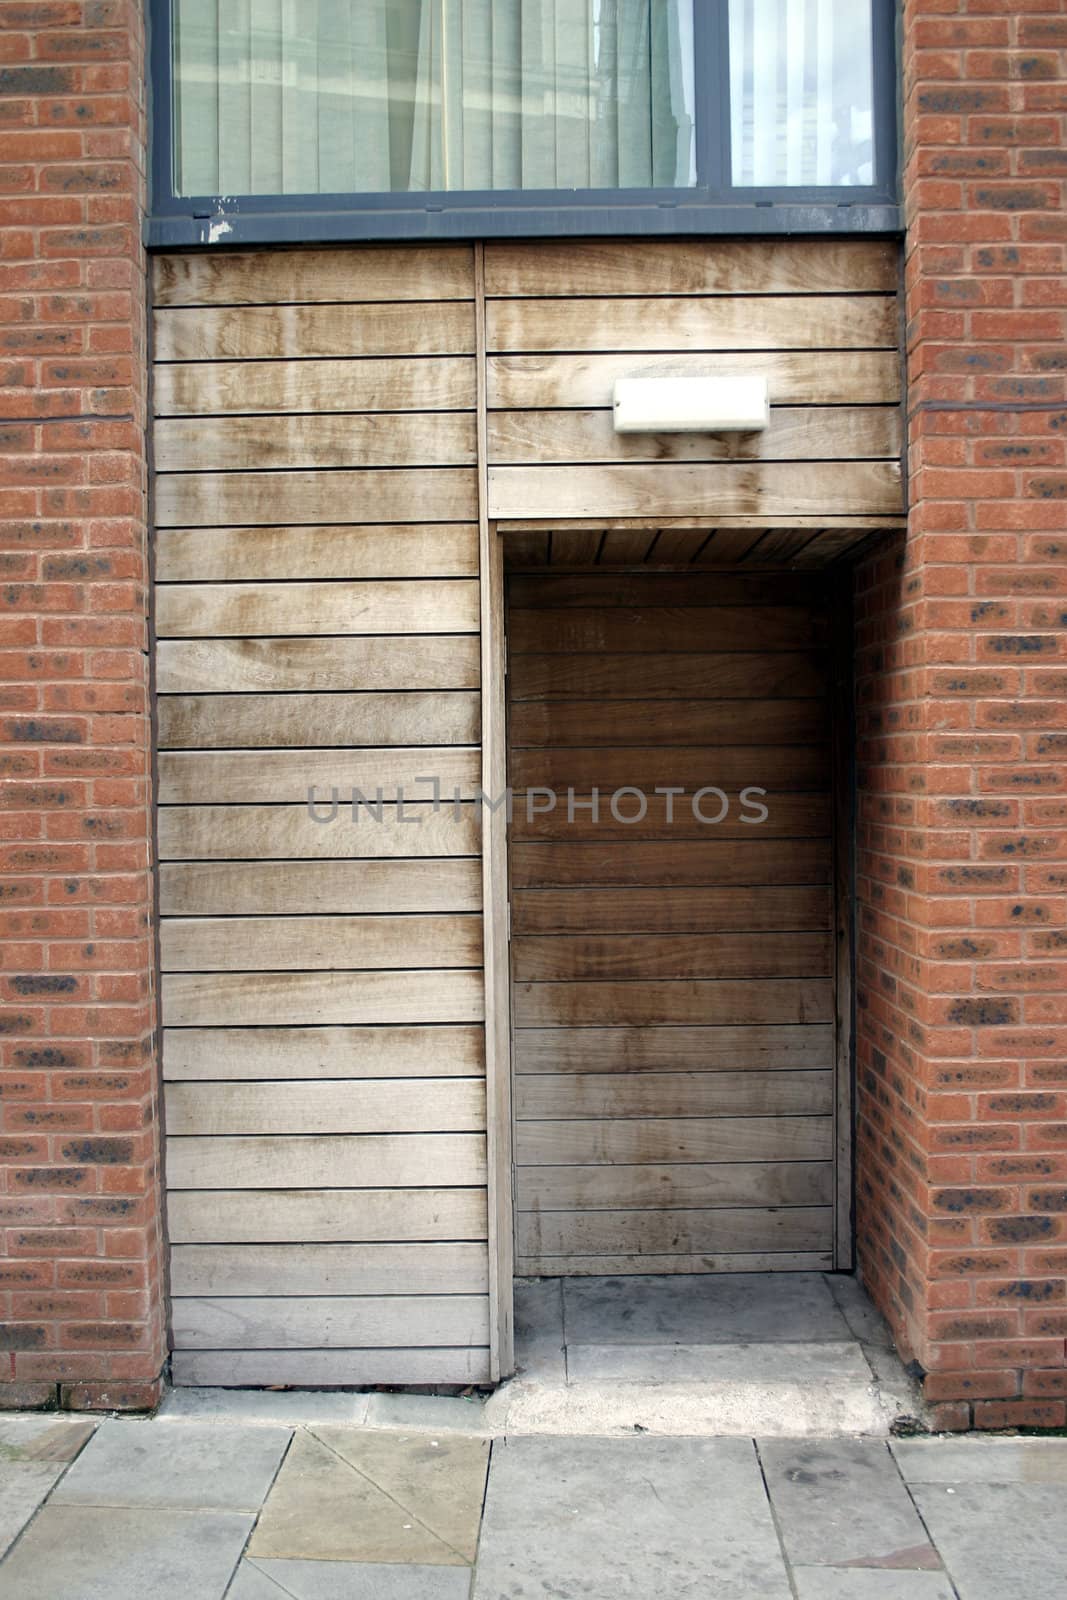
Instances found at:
x=250 y=944
x=387 y=1105
x=363 y=386
x=545 y=1096
x=705 y=1262
x=328 y=1269
x=683 y=266
x=665 y=1003
x=349 y=1161
x=241 y=777
x=605 y=677
x=550 y=1233
x=246 y=444
x=824 y=377
x=242 y=333
x=274 y=277
x=745 y=1183
x=683 y=722
x=261 y=1217
x=272 y=1322
x=730 y=768
x=768 y=322
x=796 y=433
x=235 y=721
x=753 y=1047
x=265 y=832
x=238 y=499
x=655 y=1139
x=393 y=550
x=774 y=488
x=789 y=816
x=206 y=610
x=633 y=630
x=300 y=999
x=243 y=888
x=650 y=588
x=359 y=1369
x=255 y=666
x=595 y=956
x=258 y=1053
x=684 y=910
x=717 y=863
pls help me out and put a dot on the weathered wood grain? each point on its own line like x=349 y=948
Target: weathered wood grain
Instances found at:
x=257 y=1054
x=748 y=1047
x=578 y=958
x=307 y=664
x=373 y=1161
x=287 y=832
x=241 y=777
x=708 y=676
x=715 y=863
x=692 y=629
x=414 y=494
x=684 y=910
x=365 y=386
x=656 y=1140
x=745 y=1183
x=236 y=721
x=823 y=377
x=308 y=1216
x=766 y=322
x=338 y=943
x=328 y=1269
x=255 y=444
x=359 y=1369
x=389 y=1105
x=684 y=722
x=295 y=888
x=665 y=1003
x=681 y=266
x=550 y=1233
x=571 y=1096
x=299 y=999
x=397 y=550
x=678 y=489
x=214 y=610
x=299 y=332
x=274 y=277
x=328 y=1322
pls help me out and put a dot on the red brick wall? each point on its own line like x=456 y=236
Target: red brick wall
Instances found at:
x=962 y=1041
x=80 y=1296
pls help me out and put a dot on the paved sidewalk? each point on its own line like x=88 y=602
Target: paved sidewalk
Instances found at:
x=196 y=1510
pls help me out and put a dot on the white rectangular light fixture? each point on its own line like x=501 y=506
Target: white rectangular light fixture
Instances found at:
x=691 y=405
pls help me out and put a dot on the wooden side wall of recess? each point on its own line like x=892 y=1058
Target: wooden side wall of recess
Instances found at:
x=317 y=622
x=818 y=318
x=673 y=978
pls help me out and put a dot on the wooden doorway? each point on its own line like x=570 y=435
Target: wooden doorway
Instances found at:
x=679 y=981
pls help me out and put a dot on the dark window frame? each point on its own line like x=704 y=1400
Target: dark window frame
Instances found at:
x=713 y=207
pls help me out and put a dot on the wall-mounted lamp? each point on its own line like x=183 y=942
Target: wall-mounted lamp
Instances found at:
x=691 y=405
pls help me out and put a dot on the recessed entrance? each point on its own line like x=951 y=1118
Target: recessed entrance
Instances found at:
x=679 y=918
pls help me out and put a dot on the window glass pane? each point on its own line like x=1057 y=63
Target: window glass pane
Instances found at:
x=350 y=96
x=801 y=92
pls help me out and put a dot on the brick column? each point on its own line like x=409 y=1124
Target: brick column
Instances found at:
x=962 y=1042
x=80 y=1282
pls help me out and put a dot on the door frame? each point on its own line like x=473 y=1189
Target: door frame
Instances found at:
x=497 y=935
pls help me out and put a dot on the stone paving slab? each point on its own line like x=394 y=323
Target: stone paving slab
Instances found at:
x=628 y=1520
x=346 y=1496
x=716 y=1363
x=728 y=1308
x=841 y=1502
x=866 y=1583
x=999 y=1541
x=112 y=1553
x=285 y=1408
x=199 y=1465
x=34 y=1454
x=346 y=1580
x=976 y=1460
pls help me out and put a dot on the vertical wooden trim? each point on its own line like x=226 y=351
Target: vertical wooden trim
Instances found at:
x=844 y=841
x=494 y=889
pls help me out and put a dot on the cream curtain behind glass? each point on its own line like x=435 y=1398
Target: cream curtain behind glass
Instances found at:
x=351 y=96
x=801 y=92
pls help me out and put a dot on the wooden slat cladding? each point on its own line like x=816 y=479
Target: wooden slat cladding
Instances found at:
x=820 y=322
x=317 y=614
x=673 y=996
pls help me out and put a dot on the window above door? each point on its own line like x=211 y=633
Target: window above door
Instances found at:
x=282 y=120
